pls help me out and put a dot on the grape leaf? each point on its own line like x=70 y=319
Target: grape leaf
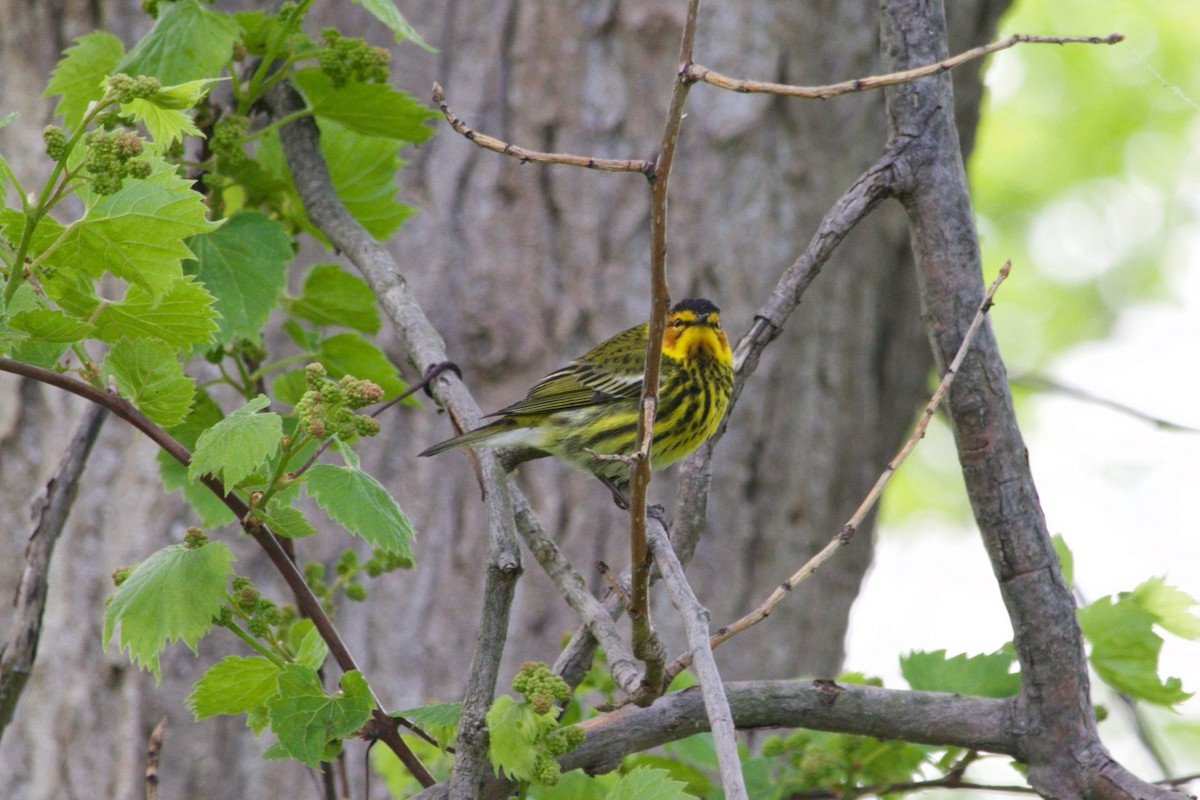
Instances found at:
x=79 y=76
x=238 y=445
x=244 y=264
x=50 y=325
x=357 y=501
x=984 y=675
x=172 y=595
x=332 y=296
x=212 y=510
x=187 y=42
x=307 y=646
x=148 y=373
x=234 y=685
x=386 y=12
x=439 y=720
x=182 y=316
x=645 y=783
x=285 y=521
x=137 y=234
x=1125 y=649
x=372 y=109
x=351 y=354
x=1170 y=607
x=513 y=728
x=311 y=724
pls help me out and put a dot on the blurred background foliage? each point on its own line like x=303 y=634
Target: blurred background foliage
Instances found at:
x=1085 y=175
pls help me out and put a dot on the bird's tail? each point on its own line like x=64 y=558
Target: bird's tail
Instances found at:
x=486 y=436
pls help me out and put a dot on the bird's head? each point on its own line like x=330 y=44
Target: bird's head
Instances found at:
x=694 y=332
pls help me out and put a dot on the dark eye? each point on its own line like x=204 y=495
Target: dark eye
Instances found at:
x=677 y=323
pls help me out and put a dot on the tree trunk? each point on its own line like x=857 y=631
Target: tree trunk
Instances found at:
x=523 y=267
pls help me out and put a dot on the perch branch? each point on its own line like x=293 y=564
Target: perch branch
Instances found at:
x=18 y=653
x=535 y=156
x=697 y=73
x=847 y=531
x=696 y=620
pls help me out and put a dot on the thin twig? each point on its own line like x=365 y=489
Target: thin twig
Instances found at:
x=697 y=73
x=696 y=621
x=19 y=651
x=153 y=749
x=847 y=531
x=1043 y=383
x=535 y=156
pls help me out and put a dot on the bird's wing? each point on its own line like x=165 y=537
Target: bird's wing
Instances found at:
x=609 y=372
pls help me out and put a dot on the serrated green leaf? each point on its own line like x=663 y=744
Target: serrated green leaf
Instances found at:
x=439 y=720
x=45 y=233
x=212 y=510
x=234 y=685
x=149 y=374
x=351 y=354
x=371 y=109
x=182 y=316
x=307 y=720
x=50 y=325
x=244 y=264
x=645 y=783
x=138 y=233
x=386 y=12
x=289 y=387
x=332 y=296
x=238 y=445
x=73 y=290
x=310 y=648
x=1169 y=606
x=286 y=521
x=984 y=675
x=80 y=74
x=1125 y=649
x=1066 y=560
x=512 y=730
x=165 y=125
x=171 y=596
x=188 y=42
x=357 y=501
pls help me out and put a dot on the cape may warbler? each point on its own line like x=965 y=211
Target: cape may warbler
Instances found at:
x=589 y=408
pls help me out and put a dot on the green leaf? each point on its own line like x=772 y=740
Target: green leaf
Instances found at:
x=234 y=685
x=238 y=445
x=1125 y=649
x=386 y=12
x=188 y=42
x=285 y=521
x=645 y=783
x=244 y=264
x=136 y=234
x=984 y=675
x=172 y=595
x=1170 y=607
x=50 y=325
x=165 y=125
x=439 y=720
x=351 y=354
x=512 y=730
x=149 y=374
x=371 y=109
x=7 y=176
x=212 y=510
x=181 y=317
x=308 y=721
x=309 y=648
x=80 y=74
x=73 y=290
x=45 y=232
x=357 y=501
x=332 y=296
x=1066 y=560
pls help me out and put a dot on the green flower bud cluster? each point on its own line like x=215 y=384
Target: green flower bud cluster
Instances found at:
x=540 y=686
x=564 y=740
x=327 y=408
x=56 y=142
x=346 y=59
x=346 y=568
x=120 y=574
x=194 y=539
x=382 y=561
x=314 y=576
x=126 y=88
x=260 y=613
x=228 y=136
x=112 y=157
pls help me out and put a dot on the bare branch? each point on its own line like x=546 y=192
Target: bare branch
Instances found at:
x=696 y=620
x=1043 y=383
x=697 y=73
x=153 y=749
x=537 y=157
x=19 y=651
x=847 y=531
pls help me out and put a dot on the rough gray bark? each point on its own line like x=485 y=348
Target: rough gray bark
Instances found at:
x=522 y=267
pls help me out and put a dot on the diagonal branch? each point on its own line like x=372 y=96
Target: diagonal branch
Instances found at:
x=535 y=156
x=697 y=73
x=18 y=653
